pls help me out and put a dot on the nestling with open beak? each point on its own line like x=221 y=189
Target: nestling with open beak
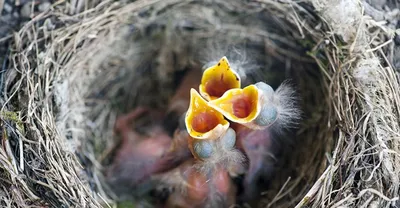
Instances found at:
x=261 y=145
x=223 y=124
x=205 y=181
x=211 y=140
x=217 y=79
x=253 y=106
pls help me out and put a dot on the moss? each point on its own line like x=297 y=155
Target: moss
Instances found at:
x=14 y=117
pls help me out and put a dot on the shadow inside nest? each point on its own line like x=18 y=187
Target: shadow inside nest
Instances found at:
x=149 y=63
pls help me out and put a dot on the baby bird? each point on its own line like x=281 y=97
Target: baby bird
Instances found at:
x=205 y=181
x=217 y=79
x=211 y=140
x=195 y=188
x=258 y=137
x=258 y=106
x=142 y=155
x=260 y=148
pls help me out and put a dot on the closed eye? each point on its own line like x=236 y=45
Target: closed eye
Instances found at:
x=229 y=139
x=203 y=149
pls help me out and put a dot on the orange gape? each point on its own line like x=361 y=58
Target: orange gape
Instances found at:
x=220 y=119
x=239 y=105
x=218 y=79
x=218 y=85
x=204 y=122
x=242 y=106
x=210 y=143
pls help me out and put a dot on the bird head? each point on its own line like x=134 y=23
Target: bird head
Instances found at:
x=252 y=106
x=217 y=79
x=203 y=121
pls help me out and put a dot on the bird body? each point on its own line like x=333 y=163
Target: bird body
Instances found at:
x=260 y=148
x=196 y=188
x=142 y=155
x=223 y=126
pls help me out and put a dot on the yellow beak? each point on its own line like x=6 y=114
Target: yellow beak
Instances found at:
x=203 y=121
x=252 y=106
x=218 y=79
x=239 y=105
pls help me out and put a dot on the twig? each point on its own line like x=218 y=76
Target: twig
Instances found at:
x=314 y=189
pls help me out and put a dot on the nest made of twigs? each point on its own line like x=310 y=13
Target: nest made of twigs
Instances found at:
x=77 y=66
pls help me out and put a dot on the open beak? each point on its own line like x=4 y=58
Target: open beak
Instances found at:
x=239 y=105
x=203 y=121
x=218 y=79
x=248 y=106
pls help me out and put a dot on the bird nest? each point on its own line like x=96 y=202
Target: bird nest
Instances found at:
x=74 y=68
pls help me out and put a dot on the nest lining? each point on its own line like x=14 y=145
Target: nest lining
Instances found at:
x=70 y=83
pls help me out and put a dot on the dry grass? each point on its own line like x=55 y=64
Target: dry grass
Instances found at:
x=78 y=65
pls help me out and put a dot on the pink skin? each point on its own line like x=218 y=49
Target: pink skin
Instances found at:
x=214 y=189
x=179 y=103
x=259 y=148
x=223 y=186
x=140 y=156
x=194 y=188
